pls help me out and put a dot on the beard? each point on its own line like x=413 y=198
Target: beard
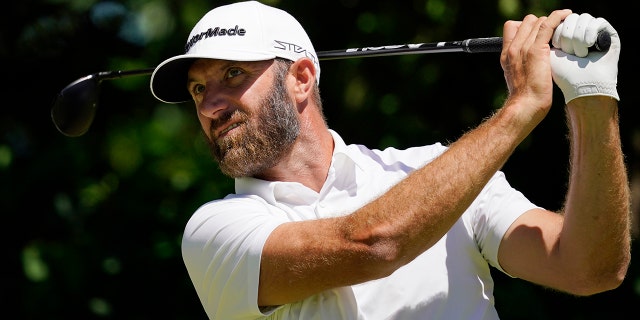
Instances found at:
x=264 y=138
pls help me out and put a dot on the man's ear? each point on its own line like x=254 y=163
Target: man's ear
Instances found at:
x=304 y=72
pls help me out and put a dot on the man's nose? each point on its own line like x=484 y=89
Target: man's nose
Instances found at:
x=215 y=102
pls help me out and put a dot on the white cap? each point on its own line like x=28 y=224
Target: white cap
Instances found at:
x=243 y=31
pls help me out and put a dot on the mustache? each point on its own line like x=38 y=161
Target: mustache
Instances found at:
x=225 y=117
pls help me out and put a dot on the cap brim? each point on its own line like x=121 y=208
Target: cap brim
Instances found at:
x=169 y=80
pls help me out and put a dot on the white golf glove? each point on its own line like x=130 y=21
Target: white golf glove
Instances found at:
x=577 y=71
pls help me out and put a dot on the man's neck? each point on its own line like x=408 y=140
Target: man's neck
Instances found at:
x=307 y=162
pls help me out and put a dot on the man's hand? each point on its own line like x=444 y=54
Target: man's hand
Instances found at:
x=525 y=62
x=576 y=70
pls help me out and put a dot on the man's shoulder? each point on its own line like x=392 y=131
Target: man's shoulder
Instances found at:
x=420 y=154
x=234 y=199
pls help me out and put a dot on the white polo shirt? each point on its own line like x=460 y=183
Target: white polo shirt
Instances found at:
x=223 y=242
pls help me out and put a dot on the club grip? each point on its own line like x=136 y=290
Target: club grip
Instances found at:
x=494 y=44
x=603 y=42
x=480 y=45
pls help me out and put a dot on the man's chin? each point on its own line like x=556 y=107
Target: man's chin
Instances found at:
x=233 y=166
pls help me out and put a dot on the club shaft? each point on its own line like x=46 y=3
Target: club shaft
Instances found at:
x=116 y=74
x=474 y=45
x=74 y=118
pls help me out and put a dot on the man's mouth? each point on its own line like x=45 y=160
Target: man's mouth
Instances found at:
x=229 y=128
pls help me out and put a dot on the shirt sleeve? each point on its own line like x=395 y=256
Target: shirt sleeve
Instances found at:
x=221 y=248
x=495 y=209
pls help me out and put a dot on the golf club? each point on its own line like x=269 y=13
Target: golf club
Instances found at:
x=75 y=106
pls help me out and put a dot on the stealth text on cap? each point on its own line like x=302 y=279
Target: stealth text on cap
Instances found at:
x=214 y=32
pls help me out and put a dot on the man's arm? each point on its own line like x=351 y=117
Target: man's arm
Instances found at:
x=587 y=249
x=303 y=258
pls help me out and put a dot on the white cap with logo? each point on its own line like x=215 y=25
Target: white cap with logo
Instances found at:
x=243 y=31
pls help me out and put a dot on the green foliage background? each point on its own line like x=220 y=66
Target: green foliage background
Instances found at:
x=92 y=224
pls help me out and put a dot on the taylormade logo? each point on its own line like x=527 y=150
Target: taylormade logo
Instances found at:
x=214 y=32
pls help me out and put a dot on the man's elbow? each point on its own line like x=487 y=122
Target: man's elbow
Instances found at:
x=604 y=278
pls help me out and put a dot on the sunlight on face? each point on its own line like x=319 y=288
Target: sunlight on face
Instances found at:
x=265 y=135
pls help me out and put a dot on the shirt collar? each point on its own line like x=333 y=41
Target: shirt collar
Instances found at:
x=273 y=191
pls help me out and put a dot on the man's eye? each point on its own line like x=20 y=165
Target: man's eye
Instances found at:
x=198 y=89
x=233 y=72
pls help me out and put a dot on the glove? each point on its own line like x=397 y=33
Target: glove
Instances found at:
x=577 y=71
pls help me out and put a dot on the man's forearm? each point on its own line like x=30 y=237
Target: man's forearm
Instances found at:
x=418 y=211
x=596 y=232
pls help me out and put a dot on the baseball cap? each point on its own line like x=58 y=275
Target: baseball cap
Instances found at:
x=242 y=31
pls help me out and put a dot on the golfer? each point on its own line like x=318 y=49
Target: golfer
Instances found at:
x=321 y=229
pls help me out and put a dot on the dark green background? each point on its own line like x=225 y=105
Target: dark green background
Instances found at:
x=92 y=225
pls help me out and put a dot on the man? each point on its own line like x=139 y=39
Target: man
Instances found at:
x=318 y=229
